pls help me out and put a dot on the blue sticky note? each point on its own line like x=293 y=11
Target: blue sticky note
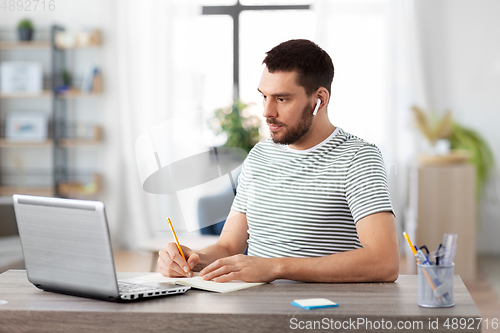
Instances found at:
x=314 y=303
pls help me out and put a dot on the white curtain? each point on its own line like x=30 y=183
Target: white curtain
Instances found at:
x=154 y=48
x=375 y=47
x=408 y=89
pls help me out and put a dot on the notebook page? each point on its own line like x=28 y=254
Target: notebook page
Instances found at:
x=199 y=283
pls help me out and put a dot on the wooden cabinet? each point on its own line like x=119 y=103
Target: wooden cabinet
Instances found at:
x=446 y=203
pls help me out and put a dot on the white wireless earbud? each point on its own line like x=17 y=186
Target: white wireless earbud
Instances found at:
x=317 y=107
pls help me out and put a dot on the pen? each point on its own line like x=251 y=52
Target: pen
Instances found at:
x=418 y=255
x=176 y=240
x=450 y=248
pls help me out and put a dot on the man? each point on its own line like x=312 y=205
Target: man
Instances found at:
x=313 y=203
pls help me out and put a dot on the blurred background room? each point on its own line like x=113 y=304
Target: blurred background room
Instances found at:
x=81 y=81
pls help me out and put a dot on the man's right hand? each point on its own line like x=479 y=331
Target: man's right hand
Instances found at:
x=172 y=264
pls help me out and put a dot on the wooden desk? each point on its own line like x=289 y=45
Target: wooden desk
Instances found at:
x=263 y=308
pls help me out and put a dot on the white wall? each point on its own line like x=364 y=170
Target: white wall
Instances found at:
x=461 y=49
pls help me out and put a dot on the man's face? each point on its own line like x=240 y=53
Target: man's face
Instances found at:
x=287 y=107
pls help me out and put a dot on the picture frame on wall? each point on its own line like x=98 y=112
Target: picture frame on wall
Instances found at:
x=26 y=126
x=21 y=77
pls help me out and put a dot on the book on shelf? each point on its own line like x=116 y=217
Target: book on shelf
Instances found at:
x=92 y=81
x=21 y=77
x=26 y=126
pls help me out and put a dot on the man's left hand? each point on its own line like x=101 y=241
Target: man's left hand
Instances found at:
x=241 y=267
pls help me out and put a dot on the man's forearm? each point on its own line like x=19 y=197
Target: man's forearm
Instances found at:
x=353 y=266
x=233 y=240
x=211 y=253
x=377 y=260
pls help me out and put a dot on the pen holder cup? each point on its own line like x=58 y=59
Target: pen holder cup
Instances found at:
x=435 y=286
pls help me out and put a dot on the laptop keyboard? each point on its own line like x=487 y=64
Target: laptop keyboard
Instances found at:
x=126 y=288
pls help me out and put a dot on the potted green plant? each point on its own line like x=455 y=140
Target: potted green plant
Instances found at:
x=242 y=131
x=66 y=81
x=481 y=155
x=66 y=76
x=25 y=29
x=461 y=139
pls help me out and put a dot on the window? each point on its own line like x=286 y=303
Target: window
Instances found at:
x=353 y=32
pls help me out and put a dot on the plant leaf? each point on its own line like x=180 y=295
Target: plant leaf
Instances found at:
x=444 y=127
x=423 y=124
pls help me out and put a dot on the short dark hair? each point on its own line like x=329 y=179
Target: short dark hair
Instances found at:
x=313 y=64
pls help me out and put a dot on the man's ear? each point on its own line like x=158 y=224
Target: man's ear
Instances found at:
x=324 y=96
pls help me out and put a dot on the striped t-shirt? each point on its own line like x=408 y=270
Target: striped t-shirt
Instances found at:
x=305 y=203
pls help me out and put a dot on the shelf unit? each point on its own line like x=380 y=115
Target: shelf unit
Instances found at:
x=44 y=94
x=35 y=190
x=74 y=93
x=32 y=45
x=64 y=142
x=59 y=141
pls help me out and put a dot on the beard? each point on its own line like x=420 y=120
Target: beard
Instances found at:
x=292 y=134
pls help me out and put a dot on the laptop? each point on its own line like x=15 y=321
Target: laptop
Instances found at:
x=67 y=249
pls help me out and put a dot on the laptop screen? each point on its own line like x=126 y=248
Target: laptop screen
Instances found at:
x=66 y=244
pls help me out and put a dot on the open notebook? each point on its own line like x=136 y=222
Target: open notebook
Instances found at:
x=198 y=283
